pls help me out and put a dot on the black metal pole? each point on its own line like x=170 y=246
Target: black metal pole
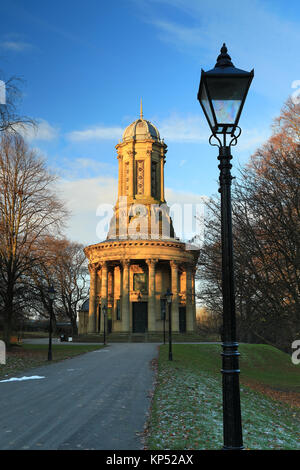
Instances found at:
x=99 y=318
x=232 y=423
x=50 y=332
x=104 y=329
x=170 y=333
x=164 y=326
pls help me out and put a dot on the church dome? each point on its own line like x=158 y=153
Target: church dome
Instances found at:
x=141 y=129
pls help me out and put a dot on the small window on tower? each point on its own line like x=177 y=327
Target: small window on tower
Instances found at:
x=154 y=179
x=140 y=177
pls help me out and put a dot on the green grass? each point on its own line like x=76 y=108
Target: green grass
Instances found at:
x=27 y=356
x=187 y=404
x=269 y=366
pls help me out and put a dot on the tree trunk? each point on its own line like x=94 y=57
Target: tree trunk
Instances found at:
x=7 y=328
x=74 y=327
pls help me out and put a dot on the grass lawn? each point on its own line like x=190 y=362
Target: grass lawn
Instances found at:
x=186 y=409
x=25 y=357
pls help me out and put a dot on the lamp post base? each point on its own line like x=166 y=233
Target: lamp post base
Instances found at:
x=233 y=448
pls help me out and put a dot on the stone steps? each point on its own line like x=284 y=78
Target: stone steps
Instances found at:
x=138 y=338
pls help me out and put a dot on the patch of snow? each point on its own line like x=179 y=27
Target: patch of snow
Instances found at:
x=32 y=377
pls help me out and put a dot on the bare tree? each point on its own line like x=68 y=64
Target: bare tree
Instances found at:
x=29 y=209
x=72 y=281
x=266 y=235
x=10 y=96
x=62 y=264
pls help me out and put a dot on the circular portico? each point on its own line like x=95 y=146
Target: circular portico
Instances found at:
x=131 y=277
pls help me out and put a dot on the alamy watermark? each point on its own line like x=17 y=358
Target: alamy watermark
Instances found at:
x=295 y=96
x=2 y=352
x=2 y=92
x=152 y=222
x=296 y=354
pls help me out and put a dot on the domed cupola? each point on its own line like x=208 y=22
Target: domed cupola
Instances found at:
x=141 y=129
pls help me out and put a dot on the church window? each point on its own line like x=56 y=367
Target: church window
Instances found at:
x=140 y=177
x=139 y=282
x=153 y=179
x=127 y=178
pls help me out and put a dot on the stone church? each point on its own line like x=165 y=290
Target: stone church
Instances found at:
x=141 y=257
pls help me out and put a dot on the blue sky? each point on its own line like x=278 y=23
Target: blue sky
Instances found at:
x=87 y=65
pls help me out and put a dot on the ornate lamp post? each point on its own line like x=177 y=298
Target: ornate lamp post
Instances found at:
x=104 y=310
x=51 y=295
x=169 y=296
x=163 y=308
x=222 y=93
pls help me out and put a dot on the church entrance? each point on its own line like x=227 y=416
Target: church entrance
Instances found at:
x=139 y=317
x=182 y=319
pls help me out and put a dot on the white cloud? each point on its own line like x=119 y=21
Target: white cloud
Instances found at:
x=16 y=46
x=83 y=197
x=182 y=197
x=176 y=128
x=251 y=139
x=256 y=33
x=42 y=131
x=194 y=129
x=96 y=133
x=177 y=34
x=84 y=167
x=187 y=210
x=87 y=195
x=179 y=128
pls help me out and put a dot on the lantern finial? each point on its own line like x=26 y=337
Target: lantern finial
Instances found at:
x=224 y=59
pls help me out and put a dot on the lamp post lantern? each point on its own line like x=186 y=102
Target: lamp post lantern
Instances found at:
x=104 y=310
x=222 y=94
x=169 y=296
x=51 y=295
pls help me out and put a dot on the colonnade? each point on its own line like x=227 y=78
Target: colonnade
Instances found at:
x=101 y=297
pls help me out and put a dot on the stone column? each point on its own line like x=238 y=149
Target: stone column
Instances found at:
x=114 y=302
x=92 y=302
x=194 y=295
x=120 y=189
x=151 y=295
x=174 y=290
x=117 y=326
x=131 y=173
x=189 y=303
x=103 y=293
x=125 y=297
x=147 y=177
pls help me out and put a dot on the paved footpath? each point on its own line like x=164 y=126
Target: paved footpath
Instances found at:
x=98 y=400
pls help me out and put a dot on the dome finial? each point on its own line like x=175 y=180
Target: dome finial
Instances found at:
x=141 y=114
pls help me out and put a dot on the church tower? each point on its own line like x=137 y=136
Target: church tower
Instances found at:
x=141 y=210
x=141 y=257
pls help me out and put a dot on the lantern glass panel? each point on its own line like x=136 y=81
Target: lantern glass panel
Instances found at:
x=227 y=94
x=205 y=102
